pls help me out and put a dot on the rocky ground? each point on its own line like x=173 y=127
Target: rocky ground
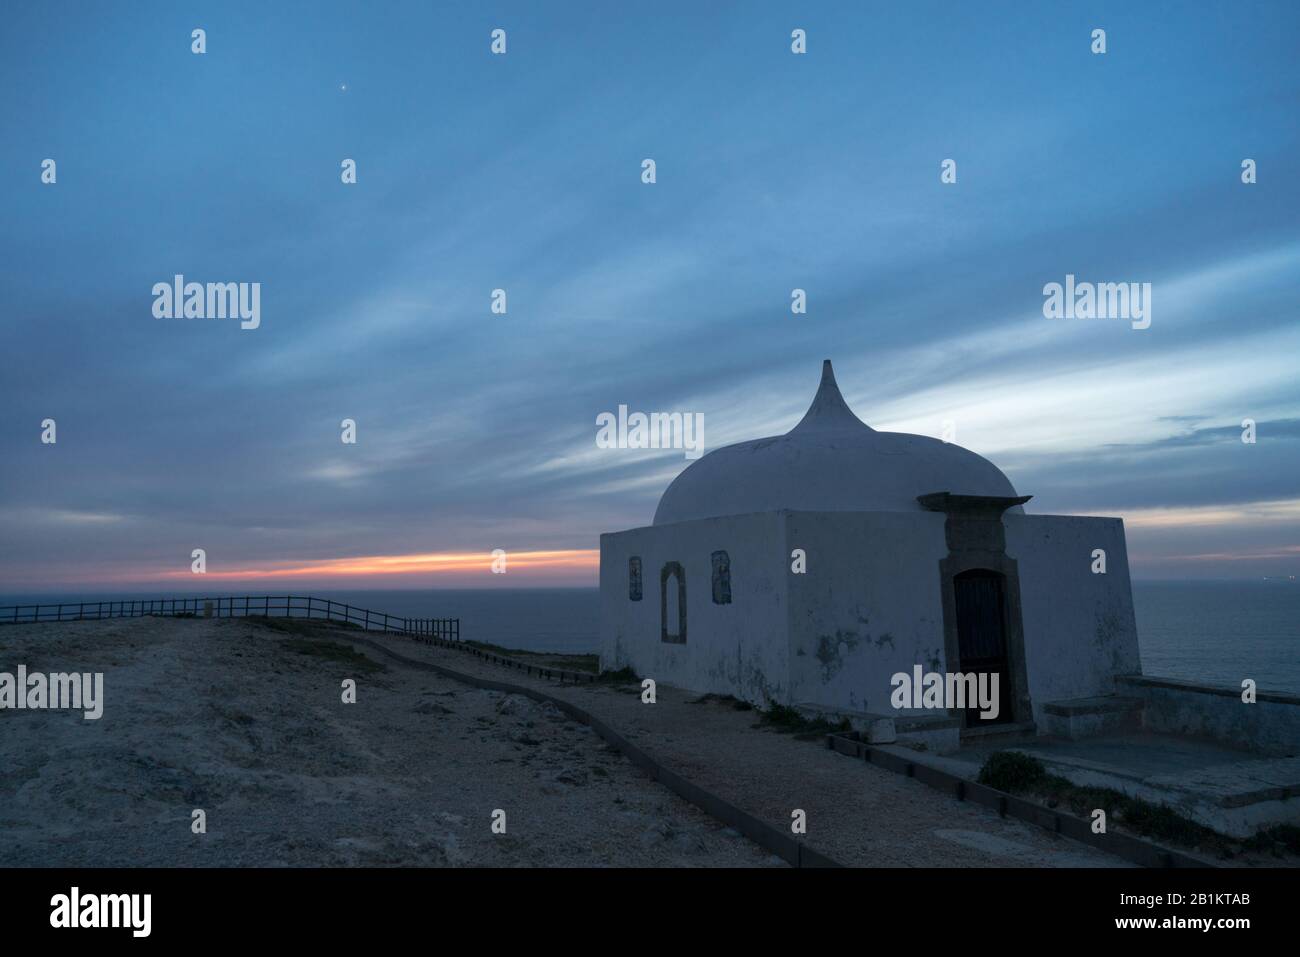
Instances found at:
x=244 y=720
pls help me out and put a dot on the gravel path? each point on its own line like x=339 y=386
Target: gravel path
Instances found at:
x=856 y=813
x=245 y=721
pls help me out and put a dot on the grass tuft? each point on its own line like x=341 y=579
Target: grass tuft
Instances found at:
x=1023 y=774
x=1012 y=772
x=732 y=700
x=1281 y=839
x=333 y=651
x=624 y=674
x=788 y=720
x=299 y=626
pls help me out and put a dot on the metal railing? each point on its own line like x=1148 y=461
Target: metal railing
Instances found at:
x=269 y=606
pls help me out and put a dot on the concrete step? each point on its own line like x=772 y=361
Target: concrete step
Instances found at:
x=1074 y=718
x=1011 y=731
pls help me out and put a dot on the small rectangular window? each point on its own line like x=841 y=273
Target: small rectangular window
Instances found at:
x=634 y=578
x=721 y=579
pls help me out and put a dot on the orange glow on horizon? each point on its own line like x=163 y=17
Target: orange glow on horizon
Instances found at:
x=434 y=563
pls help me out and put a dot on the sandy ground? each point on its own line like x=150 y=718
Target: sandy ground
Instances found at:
x=246 y=722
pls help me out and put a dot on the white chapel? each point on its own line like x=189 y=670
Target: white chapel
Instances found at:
x=807 y=569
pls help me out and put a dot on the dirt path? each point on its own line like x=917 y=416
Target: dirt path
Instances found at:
x=245 y=721
x=857 y=814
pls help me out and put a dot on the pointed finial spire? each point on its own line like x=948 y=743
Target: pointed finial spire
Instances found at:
x=828 y=409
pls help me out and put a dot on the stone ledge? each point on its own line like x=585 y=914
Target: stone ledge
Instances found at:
x=1076 y=707
x=1227 y=691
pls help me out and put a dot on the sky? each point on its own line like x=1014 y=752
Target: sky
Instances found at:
x=774 y=171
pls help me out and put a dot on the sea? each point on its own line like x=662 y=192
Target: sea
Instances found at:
x=1216 y=632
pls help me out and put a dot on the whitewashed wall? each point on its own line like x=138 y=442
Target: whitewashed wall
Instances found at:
x=869 y=605
x=740 y=648
x=1080 y=631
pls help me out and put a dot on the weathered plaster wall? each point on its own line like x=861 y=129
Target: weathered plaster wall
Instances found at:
x=868 y=606
x=1079 y=627
x=738 y=648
